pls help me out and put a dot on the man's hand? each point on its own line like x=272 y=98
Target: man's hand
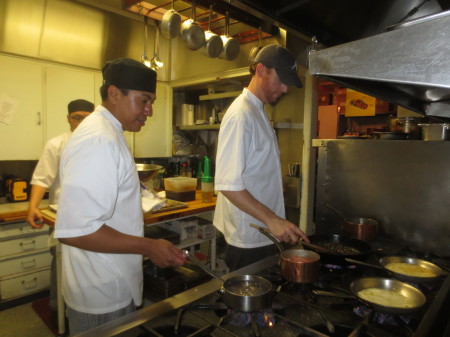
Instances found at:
x=164 y=254
x=34 y=218
x=286 y=231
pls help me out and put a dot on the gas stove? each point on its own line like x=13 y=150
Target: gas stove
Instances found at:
x=297 y=309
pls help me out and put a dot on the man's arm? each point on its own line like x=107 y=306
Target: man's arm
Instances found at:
x=108 y=240
x=283 y=229
x=34 y=215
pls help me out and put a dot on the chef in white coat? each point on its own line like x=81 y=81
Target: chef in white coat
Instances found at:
x=100 y=220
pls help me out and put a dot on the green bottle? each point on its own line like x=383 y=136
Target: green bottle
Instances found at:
x=207 y=183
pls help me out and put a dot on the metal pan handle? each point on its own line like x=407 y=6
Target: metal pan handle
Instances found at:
x=272 y=237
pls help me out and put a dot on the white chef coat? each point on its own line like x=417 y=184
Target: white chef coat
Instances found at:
x=247 y=158
x=100 y=185
x=46 y=171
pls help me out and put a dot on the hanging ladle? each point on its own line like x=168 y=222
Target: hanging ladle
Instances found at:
x=156 y=63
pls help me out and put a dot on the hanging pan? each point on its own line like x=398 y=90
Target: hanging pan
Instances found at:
x=213 y=42
x=171 y=23
x=231 y=46
x=255 y=50
x=191 y=32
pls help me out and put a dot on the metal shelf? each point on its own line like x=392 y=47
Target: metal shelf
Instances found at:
x=220 y=95
x=199 y=127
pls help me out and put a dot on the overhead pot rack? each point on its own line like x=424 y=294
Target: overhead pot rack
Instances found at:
x=242 y=26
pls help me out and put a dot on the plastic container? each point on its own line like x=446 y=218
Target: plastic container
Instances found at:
x=180 y=188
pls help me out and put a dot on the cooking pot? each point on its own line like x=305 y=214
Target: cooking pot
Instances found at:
x=171 y=23
x=408 y=125
x=231 y=45
x=364 y=229
x=387 y=263
x=297 y=265
x=435 y=131
x=213 y=42
x=247 y=293
x=243 y=292
x=191 y=32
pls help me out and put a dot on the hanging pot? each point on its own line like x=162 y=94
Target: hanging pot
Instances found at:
x=191 y=32
x=213 y=42
x=231 y=46
x=255 y=50
x=171 y=23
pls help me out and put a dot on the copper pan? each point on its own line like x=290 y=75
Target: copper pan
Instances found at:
x=297 y=265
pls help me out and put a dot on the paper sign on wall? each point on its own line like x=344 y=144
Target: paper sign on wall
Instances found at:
x=8 y=107
x=359 y=104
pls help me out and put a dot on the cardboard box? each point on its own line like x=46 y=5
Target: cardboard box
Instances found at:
x=186 y=228
x=206 y=229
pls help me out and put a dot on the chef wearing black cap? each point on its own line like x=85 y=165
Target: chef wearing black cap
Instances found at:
x=248 y=172
x=99 y=220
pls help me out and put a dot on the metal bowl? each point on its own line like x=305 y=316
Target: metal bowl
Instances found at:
x=147 y=172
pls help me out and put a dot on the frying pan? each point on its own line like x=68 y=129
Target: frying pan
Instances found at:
x=231 y=45
x=415 y=298
x=213 y=42
x=192 y=33
x=385 y=261
x=255 y=50
x=349 y=248
x=171 y=23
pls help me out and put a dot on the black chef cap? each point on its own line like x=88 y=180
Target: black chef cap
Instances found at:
x=80 y=105
x=126 y=73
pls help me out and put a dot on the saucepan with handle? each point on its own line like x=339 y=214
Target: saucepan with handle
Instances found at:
x=297 y=265
x=246 y=293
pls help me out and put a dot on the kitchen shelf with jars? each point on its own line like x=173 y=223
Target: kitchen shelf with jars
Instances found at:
x=199 y=103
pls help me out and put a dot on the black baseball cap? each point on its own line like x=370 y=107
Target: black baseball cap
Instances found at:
x=279 y=58
x=126 y=73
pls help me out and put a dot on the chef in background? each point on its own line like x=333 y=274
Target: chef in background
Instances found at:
x=100 y=219
x=45 y=177
x=248 y=173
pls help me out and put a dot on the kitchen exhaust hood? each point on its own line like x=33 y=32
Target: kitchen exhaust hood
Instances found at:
x=408 y=65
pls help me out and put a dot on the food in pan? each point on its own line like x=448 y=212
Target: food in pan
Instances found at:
x=386 y=298
x=338 y=248
x=410 y=269
x=246 y=288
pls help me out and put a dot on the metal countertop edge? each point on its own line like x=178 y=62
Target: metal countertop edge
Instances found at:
x=172 y=303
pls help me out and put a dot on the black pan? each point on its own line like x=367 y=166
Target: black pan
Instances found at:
x=345 y=248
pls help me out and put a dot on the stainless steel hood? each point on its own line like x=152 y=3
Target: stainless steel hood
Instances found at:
x=408 y=65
